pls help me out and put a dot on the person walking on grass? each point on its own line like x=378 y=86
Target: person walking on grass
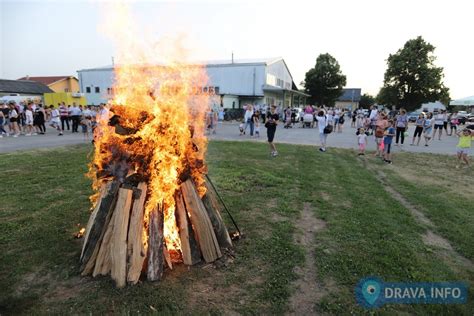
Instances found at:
x=420 y=122
x=387 y=143
x=271 y=125
x=466 y=136
x=439 y=124
x=402 y=125
x=361 y=141
x=428 y=128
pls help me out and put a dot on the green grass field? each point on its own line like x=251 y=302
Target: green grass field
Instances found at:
x=367 y=231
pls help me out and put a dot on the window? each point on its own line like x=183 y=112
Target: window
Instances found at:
x=109 y=91
x=66 y=90
x=97 y=90
x=88 y=89
x=216 y=90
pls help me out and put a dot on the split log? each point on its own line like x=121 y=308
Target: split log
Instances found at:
x=93 y=215
x=189 y=248
x=201 y=223
x=155 y=245
x=103 y=264
x=118 y=241
x=97 y=231
x=213 y=210
x=135 y=248
x=166 y=255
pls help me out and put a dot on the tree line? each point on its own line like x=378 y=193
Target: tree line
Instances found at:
x=411 y=79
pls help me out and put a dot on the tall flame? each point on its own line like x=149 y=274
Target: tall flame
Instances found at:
x=156 y=98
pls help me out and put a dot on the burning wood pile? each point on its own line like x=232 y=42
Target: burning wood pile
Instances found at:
x=153 y=206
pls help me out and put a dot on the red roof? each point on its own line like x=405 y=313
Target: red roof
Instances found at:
x=46 y=80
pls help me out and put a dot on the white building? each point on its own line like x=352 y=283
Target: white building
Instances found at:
x=237 y=82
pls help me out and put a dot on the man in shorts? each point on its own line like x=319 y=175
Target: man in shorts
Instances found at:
x=439 y=124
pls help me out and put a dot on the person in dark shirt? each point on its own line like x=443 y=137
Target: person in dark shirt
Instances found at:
x=271 y=125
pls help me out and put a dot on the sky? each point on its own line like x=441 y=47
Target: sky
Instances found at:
x=46 y=38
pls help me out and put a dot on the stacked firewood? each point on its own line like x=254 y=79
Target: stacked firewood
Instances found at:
x=113 y=241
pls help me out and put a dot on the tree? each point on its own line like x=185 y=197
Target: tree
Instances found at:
x=412 y=78
x=366 y=101
x=325 y=81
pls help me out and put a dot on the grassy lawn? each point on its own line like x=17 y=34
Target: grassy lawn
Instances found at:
x=367 y=231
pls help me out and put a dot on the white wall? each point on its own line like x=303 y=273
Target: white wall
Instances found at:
x=237 y=79
x=102 y=78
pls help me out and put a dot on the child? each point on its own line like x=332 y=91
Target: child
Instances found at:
x=387 y=142
x=256 y=123
x=86 y=126
x=464 y=145
x=241 y=128
x=362 y=141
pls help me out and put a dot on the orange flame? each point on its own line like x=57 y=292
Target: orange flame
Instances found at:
x=163 y=118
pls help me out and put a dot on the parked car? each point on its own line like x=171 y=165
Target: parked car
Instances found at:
x=412 y=116
x=462 y=117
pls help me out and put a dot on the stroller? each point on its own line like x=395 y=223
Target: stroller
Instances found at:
x=308 y=120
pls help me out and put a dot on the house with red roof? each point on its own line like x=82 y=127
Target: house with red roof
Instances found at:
x=57 y=83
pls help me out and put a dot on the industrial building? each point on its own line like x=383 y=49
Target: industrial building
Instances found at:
x=237 y=82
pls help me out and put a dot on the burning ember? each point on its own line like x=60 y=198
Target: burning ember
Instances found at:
x=80 y=233
x=152 y=205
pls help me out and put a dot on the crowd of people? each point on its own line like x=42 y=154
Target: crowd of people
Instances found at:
x=386 y=127
x=30 y=119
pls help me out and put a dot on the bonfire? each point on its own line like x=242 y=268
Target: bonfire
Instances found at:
x=153 y=206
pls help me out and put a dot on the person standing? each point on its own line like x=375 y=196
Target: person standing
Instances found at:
x=39 y=119
x=271 y=125
x=29 y=120
x=361 y=141
x=380 y=126
x=13 y=115
x=76 y=114
x=64 y=116
x=373 y=116
x=2 y=122
x=402 y=125
x=439 y=124
x=248 y=119
x=420 y=122
x=323 y=122
x=387 y=142
x=256 y=122
x=428 y=128
x=453 y=123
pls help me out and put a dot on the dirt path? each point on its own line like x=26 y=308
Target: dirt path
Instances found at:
x=308 y=290
x=444 y=249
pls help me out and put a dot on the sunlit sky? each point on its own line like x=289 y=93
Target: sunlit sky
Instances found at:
x=41 y=38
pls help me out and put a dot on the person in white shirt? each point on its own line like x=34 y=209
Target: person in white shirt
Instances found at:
x=76 y=114
x=29 y=120
x=439 y=123
x=55 y=121
x=248 y=119
x=323 y=121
